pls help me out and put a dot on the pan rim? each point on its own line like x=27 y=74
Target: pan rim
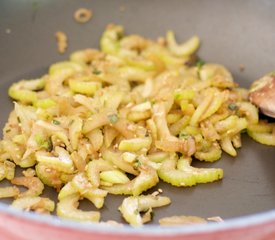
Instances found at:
x=147 y=230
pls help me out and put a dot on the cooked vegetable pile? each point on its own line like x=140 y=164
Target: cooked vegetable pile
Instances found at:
x=120 y=119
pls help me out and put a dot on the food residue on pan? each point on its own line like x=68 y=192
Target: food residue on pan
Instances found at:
x=122 y=8
x=215 y=219
x=62 y=41
x=241 y=67
x=181 y=220
x=161 y=41
x=187 y=220
x=83 y=15
x=8 y=31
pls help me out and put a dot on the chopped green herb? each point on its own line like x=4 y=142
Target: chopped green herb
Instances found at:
x=113 y=118
x=71 y=122
x=153 y=102
x=137 y=164
x=18 y=120
x=49 y=144
x=200 y=63
x=177 y=96
x=119 y=35
x=56 y=122
x=238 y=113
x=183 y=135
x=232 y=107
x=96 y=72
x=8 y=130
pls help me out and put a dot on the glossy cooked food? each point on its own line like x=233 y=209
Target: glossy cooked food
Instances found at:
x=120 y=119
x=262 y=94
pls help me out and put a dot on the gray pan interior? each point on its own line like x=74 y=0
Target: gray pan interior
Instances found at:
x=232 y=33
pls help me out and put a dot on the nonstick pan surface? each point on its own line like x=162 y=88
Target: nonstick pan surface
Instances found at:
x=233 y=33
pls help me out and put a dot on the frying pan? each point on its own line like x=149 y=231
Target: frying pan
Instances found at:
x=233 y=33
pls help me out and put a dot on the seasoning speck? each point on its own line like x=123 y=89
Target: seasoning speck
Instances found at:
x=122 y=8
x=241 y=67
